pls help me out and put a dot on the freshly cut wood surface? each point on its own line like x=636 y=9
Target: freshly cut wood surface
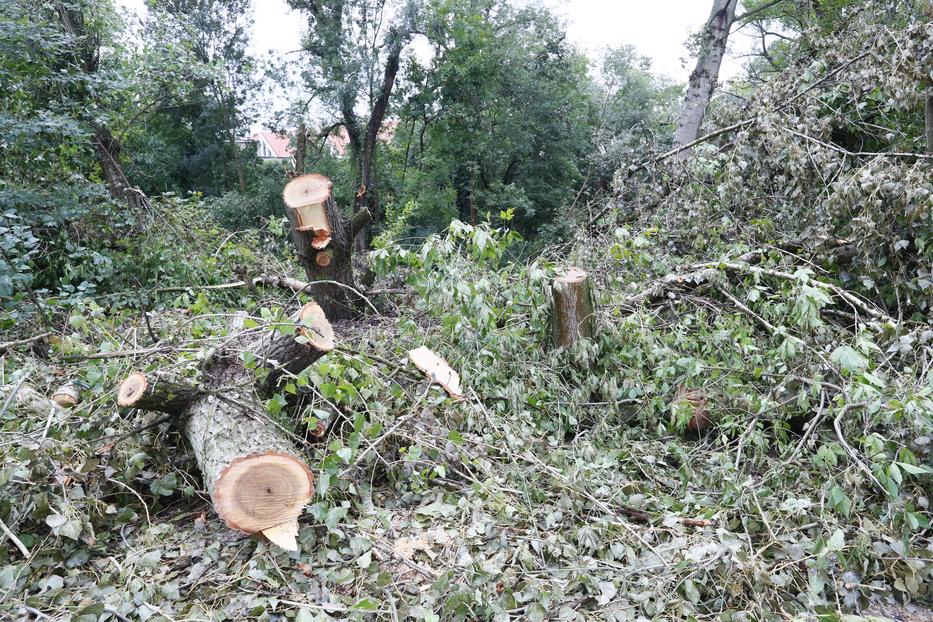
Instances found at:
x=307 y=190
x=438 y=370
x=259 y=492
x=284 y=535
x=308 y=195
x=67 y=395
x=315 y=326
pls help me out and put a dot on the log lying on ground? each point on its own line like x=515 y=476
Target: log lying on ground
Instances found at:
x=573 y=307
x=250 y=467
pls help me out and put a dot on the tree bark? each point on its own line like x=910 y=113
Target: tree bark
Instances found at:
x=367 y=196
x=249 y=465
x=573 y=315
x=322 y=239
x=705 y=75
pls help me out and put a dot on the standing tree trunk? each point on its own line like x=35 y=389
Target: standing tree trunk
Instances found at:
x=367 y=197
x=250 y=467
x=573 y=315
x=107 y=150
x=323 y=240
x=705 y=75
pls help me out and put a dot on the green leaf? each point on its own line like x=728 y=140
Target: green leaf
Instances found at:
x=536 y=612
x=836 y=542
x=914 y=469
x=850 y=359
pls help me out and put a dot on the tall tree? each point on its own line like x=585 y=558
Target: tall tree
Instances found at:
x=355 y=59
x=705 y=75
x=214 y=34
x=499 y=118
x=87 y=32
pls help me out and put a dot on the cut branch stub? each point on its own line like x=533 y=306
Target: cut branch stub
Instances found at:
x=157 y=392
x=573 y=307
x=285 y=354
x=307 y=195
x=67 y=395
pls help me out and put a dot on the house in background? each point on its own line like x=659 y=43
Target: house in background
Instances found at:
x=278 y=147
x=271 y=146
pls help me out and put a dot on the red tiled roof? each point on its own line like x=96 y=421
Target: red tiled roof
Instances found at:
x=278 y=143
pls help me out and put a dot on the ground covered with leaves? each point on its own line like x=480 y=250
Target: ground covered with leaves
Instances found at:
x=567 y=485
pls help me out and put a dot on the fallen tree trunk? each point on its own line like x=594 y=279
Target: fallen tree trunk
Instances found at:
x=573 y=307
x=250 y=467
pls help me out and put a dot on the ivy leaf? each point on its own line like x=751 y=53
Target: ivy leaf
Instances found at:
x=536 y=612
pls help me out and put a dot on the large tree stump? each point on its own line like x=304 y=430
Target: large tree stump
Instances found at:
x=250 y=467
x=323 y=240
x=573 y=307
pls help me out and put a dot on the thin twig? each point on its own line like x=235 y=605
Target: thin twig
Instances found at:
x=12 y=536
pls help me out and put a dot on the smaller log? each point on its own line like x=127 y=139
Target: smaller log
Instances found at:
x=157 y=392
x=696 y=400
x=67 y=395
x=286 y=354
x=573 y=307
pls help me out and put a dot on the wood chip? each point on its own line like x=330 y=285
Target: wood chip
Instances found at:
x=437 y=370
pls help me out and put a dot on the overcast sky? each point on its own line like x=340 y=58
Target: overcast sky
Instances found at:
x=657 y=28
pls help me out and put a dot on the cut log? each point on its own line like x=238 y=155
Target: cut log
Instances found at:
x=157 y=392
x=573 y=307
x=437 y=370
x=249 y=465
x=287 y=354
x=317 y=227
x=67 y=395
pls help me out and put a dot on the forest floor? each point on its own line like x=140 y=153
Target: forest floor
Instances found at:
x=568 y=484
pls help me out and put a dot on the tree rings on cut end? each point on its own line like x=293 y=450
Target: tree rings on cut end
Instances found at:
x=307 y=196
x=258 y=492
x=571 y=276
x=131 y=389
x=315 y=327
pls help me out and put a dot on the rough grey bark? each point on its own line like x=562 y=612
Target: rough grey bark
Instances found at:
x=159 y=392
x=220 y=431
x=573 y=315
x=705 y=75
